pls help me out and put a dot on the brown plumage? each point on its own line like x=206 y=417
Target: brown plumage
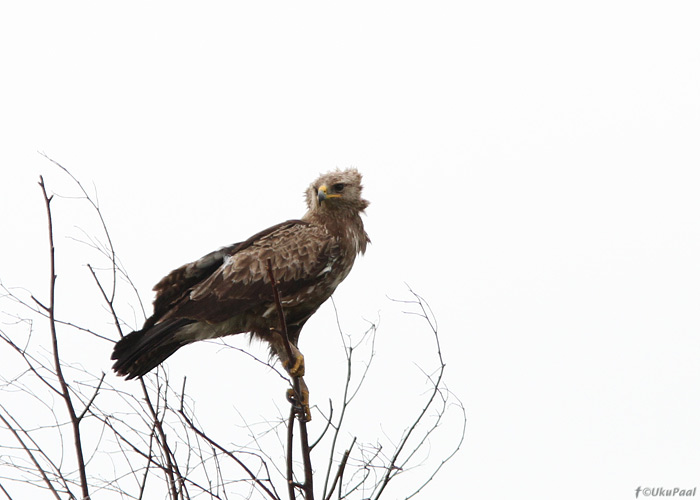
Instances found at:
x=228 y=291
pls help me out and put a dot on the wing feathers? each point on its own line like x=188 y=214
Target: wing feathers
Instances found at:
x=234 y=279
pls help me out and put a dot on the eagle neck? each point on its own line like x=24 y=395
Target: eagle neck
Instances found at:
x=348 y=228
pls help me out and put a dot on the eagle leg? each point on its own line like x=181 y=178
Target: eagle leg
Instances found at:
x=295 y=366
x=279 y=345
x=301 y=407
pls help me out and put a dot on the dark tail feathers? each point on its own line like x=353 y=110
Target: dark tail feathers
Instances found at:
x=140 y=352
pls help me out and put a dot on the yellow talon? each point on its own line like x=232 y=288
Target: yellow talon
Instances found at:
x=298 y=369
x=305 y=413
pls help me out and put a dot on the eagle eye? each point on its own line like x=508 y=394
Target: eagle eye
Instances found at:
x=338 y=187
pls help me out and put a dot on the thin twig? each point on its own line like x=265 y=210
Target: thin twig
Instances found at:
x=75 y=422
x=92 y=399
x=329 y=420
x=38 y=467
x=392 y=468
x=96 y=206
x=110 y=302
x=171 y=467
x=216 y=445
x=341 y=470
x=347 y=396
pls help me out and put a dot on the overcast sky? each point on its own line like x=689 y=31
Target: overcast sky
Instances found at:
x=533 y=169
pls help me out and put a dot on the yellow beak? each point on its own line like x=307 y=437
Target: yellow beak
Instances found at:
x=323 y=194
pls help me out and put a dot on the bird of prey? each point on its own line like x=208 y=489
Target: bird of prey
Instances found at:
x=228 y=291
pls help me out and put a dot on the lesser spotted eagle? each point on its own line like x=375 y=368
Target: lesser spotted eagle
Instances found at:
x=228 y=291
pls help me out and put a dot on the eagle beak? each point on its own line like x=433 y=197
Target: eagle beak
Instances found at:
x=322 y=194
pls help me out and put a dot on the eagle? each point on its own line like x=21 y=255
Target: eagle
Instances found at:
x=229 y=291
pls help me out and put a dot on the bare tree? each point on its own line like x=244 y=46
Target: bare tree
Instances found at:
x=66 y=430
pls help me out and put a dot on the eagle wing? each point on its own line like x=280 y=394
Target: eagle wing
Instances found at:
x=234 y=279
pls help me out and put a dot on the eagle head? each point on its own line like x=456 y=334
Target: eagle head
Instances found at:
x=336 y=190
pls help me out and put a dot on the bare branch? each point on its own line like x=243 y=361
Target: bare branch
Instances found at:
x=92 y=399
x=96 y=206
x=347 y=395
x=290 y=448
x=341 y=470
x=329 y=419
x=393 y=468
x=162 y=440
x=110 y=302
x=308 y=485
x=75 y=423
x=38 y=467
x=250 y=473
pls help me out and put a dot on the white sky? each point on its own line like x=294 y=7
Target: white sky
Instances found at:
x=533 y=169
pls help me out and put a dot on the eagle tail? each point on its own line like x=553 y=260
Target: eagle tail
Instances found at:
x=141 y=351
